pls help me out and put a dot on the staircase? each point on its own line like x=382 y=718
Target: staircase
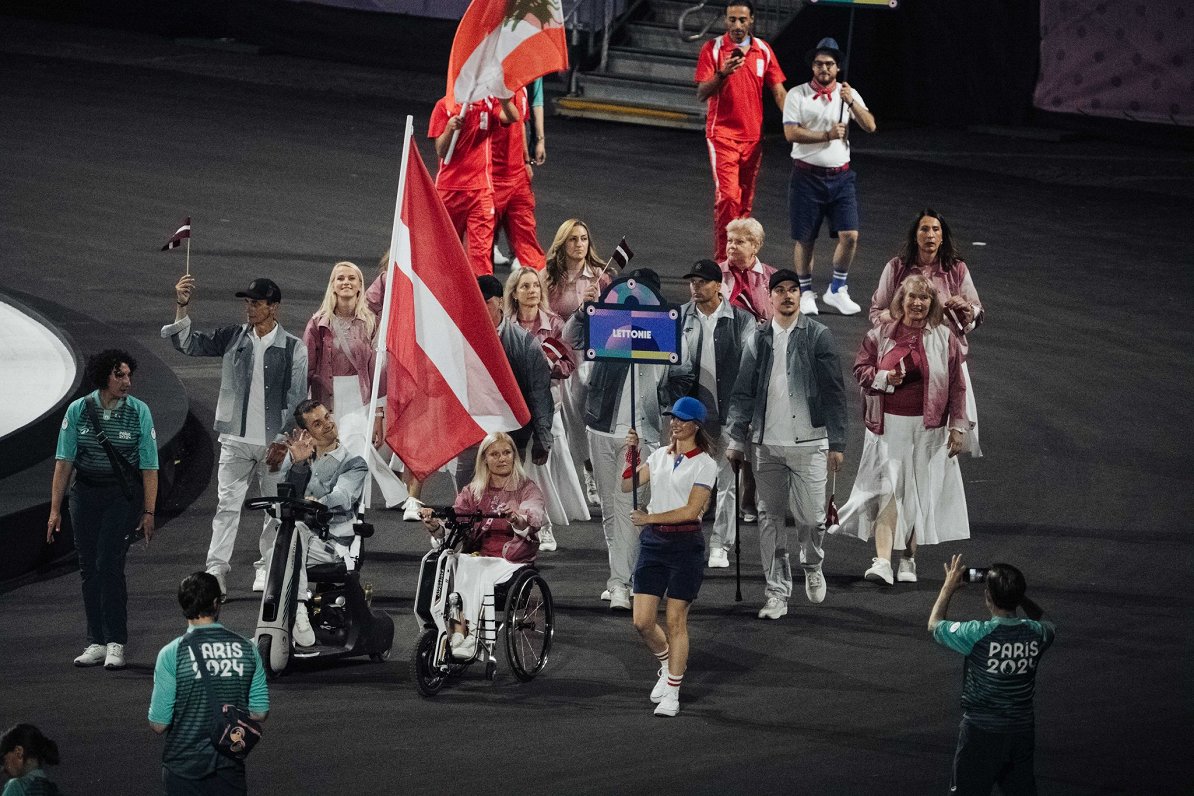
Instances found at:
x=647 y=74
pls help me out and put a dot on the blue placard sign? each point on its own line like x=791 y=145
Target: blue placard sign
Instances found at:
x=632 y=323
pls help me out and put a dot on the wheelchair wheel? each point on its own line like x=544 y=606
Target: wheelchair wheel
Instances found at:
x=530 y=618
x=428 y=679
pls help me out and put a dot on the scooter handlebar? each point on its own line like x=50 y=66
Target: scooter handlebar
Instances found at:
x=310 y=511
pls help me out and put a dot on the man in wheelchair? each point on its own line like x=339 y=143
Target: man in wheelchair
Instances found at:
x=504 y=538
x=320 y=468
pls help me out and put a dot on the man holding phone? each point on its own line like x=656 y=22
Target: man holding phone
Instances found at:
x=732 y=72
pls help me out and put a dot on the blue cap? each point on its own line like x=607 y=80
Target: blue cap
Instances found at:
x=687 y=408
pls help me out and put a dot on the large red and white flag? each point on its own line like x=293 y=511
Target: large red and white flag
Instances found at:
x=449 y=382
x=503 y=45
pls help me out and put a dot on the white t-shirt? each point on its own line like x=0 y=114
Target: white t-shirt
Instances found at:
x=672 y=478
x=819 y=116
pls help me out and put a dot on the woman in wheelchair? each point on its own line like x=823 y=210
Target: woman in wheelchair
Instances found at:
x=671 y=557
x=505 y=537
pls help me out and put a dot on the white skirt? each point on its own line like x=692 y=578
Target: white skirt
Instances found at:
x=558 y=480
x=909 y=464
x=356 y=434
x=972 y=446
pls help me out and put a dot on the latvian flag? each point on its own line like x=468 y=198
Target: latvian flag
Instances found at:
x=555 y=350
x=622 y=254
x=183 y=232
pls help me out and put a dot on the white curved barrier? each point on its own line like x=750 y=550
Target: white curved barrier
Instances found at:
x=36 y=368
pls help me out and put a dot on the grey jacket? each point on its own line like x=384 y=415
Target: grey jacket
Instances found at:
x=285 y=374
x=729 y=337
x=336 y=479
x=811 y=357
x=533 y=374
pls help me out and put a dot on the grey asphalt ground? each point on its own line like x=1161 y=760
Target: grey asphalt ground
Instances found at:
x=1079 y=249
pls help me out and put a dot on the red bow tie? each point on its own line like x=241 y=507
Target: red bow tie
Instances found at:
x=823 y=92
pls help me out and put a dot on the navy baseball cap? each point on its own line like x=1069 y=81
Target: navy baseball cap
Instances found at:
x=262 y=289
x=687 y=408
x=781 y=276
x=490 y=286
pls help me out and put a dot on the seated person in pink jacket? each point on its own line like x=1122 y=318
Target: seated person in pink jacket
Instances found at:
x=500 y=542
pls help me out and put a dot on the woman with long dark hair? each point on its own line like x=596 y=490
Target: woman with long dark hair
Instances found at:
x=26 y=752
x=671 y=558
x=929 y=250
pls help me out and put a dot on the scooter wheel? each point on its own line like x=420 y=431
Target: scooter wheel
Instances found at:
x=264 y=644
x=428 y=679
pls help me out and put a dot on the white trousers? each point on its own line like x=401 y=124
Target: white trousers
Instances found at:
x=724 y=528
x=240 y=465
x=608 y=455
x=790 y=475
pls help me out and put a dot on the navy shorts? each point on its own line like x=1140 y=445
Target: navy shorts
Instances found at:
x=670 y=563
x=812 y=198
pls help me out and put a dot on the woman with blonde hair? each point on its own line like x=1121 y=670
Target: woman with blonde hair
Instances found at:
x=575 y=274
x=504 y=538
x=523 y=304
x=908 y=491
x=340 y=361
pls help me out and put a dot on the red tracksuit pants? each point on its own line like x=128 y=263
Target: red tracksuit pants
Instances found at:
x=471 y=212
x=514 y=212
x=735 y=170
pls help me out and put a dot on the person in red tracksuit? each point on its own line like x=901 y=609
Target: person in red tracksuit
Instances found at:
x=732 y=72
x=463 y=182
x=513 y=202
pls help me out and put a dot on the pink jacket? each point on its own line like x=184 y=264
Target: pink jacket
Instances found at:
x=954 y=282
x=491 y=535
x=755 y=288
x=945 y=387
x=548 y=324
x=565 y=299
x=320 y=341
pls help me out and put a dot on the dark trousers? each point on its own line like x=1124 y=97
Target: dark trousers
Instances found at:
x=984 y=759
x=102 y=517
x=224 y=781
x=466 y=462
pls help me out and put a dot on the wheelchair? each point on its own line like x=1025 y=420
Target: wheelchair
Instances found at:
x=344 y=623
x=527 y=617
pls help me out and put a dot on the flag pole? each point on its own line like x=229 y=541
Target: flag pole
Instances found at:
x=384 y=324
x=455 y=135
x=188 y=255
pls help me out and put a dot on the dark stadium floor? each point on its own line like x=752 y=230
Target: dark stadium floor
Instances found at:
x=1082 y=375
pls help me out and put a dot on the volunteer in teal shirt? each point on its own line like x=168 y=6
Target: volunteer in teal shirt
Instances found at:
x=997 y=736
x=179 y=706
x=109 y=499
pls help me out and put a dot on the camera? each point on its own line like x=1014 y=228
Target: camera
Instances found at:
x=975 y=574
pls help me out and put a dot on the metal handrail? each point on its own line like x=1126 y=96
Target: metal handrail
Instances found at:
x=699 y=34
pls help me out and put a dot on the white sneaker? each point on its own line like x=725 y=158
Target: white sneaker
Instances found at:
x=219 y=576
x=840 y=301
x=411 y=509
x=547 y=539
x=661 y=686
x=304 y=635
x=499 y=258
x=591 y=490
x=669 y=705
x=774 y=608
x=719 y=558
x=92 y=656
x=814 y=585
x=749 y=517
x=463 y=646
x=259 y=580
x=808 y=303
x=907 y=571
x=605 y=595
x=619 y=599
x=115 y=657
x=880 y=571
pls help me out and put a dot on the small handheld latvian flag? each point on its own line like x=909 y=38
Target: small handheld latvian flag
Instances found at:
x=183 y=232
x=622 y=254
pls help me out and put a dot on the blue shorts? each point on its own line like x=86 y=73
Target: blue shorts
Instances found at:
x=812 y=198
x=670 y=563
